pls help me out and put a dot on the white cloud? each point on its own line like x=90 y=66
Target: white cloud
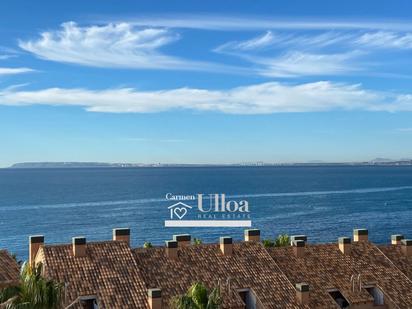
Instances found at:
x=385 y=39
x=263 y=98
x=337 y=39
x=258 y=42
x=287 y=39
x=113 y=45
x=286 y=61
x=296 y=64
x=341 y=39
x=14 y=71
x=125 y=45
x=321 y=40
x=225 y=23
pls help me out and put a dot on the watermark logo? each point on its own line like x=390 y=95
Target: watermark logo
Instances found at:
x=207 y=210
x=179 y=210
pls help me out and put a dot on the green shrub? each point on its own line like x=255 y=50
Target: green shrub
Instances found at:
x=198 y=297
x=282 y=240
x=147 y=245
x=267 y=243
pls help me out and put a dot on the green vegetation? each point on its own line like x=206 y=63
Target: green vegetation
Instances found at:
x=197 y=241
x=147 y=245
x=282 y=240
x=267 y=243
x=34 y=291
x=198 y=297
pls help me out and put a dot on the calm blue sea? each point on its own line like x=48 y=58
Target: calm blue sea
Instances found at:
x=322 y=202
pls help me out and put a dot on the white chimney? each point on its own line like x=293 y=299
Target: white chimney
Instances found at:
x=35 y=242
x=396 y=239
x=302 y=293
x=345 y=245
x=171 y=249
x=252 y=235
x=226 y=245
x=298 y=237
x=155 y=298
x=182 y=239
x=407 y=247
x=299 y=248
x=79 y=246
x=360 y=235
x=122 y=234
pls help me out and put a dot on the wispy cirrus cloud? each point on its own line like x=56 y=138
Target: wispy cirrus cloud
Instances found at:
x=287 y=52
x=385 y=39
x=338 y=39
x=11 y=71
x=262 y=98
x=253 y=23
x=297 y=64
x=8 y=52
x=259 y=42
x=279 y=40
x=294 y=54
x=285 y=58
x=119 y=45
x=14 y=71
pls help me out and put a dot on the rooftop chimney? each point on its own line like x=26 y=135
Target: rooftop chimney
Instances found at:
x=226 y=245
x=36 y=241
x=360 y=235
x=79 y=246
x=396 y=239
x=171 y=249
x=298 y=237
x=155 y=298
x=252 y=235
x=182 y=239
x=407 y=246
x=302 y=293
x=345 y=245
x=122 y=235
x=299 y=248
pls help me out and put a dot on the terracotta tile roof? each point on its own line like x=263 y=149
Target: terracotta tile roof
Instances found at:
x=250 y=266
x=401 y=261
x=108 y=271
x=120 y=276
x=9 y=269
x=324 y=267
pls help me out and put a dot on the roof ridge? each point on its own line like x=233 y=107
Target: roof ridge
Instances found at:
x=276 y=265
x=97 y=242
x=390 y=261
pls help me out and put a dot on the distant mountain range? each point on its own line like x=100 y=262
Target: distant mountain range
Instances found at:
x=73 y=165
x=377 y=161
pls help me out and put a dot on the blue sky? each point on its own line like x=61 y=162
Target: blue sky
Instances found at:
x=205 y=82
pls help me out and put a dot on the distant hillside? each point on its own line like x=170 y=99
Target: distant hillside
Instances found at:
x=381 y=160
x=255 y=164
x=69 y=165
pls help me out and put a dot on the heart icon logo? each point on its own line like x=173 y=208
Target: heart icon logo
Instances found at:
x=180 y=212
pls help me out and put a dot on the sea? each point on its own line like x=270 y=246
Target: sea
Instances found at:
x=323 y=202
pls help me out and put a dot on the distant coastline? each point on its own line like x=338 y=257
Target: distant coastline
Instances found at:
x=45 y=165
